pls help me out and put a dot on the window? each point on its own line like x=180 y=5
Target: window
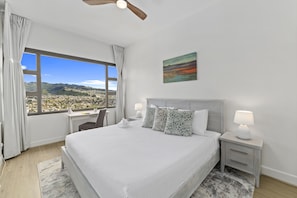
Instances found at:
x=55 y=82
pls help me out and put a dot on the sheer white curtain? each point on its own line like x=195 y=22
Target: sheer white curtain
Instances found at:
x=1 y=77
x=119 y=53
x=16 y=137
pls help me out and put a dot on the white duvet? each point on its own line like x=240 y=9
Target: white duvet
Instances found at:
x=137 y=162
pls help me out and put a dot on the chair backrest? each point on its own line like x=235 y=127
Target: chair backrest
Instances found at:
x=100 y=118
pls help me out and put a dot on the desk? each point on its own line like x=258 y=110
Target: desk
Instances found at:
x=90 y=114
x=79 y=114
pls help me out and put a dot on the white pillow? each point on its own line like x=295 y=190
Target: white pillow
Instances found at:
x=200 y=121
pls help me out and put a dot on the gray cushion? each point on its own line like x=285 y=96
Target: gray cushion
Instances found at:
x=179 y=123
x=149 y=117
x=160 y=119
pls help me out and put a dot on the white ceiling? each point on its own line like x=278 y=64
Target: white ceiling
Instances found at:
x=107 y=23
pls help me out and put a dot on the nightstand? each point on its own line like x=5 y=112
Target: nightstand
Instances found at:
x=244 y=155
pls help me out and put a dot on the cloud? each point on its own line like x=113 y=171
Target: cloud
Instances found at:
x=112 y=85
x=98 y=84
x=24 y=67
x=93 y=83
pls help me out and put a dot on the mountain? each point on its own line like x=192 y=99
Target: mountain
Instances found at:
x=63 y=89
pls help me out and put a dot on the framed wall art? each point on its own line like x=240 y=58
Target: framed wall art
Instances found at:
x=181 y=68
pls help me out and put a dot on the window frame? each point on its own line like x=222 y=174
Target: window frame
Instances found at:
x=37 y=72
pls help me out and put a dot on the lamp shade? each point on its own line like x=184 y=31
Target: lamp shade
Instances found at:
x=138 y=106
x=244 y=117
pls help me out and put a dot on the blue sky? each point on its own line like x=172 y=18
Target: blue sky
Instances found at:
x=59 y=70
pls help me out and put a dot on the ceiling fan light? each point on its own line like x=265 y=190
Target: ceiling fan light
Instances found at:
x=122 y=4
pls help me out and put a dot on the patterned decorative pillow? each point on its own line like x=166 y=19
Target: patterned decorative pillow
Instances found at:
x=200 y=118
x=149 y=117
x=179 y=122
x=160 y=119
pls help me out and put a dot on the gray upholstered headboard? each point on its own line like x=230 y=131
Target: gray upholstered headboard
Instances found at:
x=215 y=109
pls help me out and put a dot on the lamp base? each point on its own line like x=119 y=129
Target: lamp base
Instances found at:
x=243 y=132
x=138 y=114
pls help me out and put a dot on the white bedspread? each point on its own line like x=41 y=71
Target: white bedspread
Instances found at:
x=137 y=162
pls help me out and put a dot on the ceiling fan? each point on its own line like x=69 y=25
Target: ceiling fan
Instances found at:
x=120 y=4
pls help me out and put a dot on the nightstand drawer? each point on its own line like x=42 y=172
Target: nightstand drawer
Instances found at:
x=239 y=157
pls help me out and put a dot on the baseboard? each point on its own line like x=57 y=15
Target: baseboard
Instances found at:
x=47 y=141
x=279 y=175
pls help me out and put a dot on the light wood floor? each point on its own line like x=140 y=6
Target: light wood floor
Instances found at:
x=20 y=178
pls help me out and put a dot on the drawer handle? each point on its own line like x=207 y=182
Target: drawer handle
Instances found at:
x=243 y=164
x=239 y=151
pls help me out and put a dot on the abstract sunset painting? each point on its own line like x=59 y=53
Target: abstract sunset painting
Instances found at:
x=181 y=68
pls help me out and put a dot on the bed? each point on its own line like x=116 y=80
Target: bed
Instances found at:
x=133 y=162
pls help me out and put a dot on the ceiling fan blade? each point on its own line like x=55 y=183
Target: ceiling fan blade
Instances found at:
x=136 y=11
x=98 y=2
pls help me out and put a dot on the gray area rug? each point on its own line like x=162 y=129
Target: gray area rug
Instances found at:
x=56 y=183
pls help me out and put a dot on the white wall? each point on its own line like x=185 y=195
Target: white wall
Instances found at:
x=247 y=55
x=50 y=128
x=54 y=40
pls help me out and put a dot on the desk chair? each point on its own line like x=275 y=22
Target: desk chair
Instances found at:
x=92 y=125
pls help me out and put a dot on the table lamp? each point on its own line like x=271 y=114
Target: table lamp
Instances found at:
x=138 y=108
x=244 y=118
